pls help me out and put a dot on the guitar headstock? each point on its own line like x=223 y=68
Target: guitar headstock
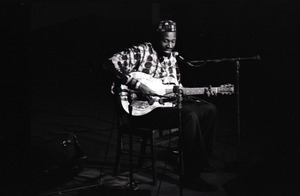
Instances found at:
x=226 y=89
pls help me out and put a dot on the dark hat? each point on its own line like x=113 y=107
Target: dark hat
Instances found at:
x=166 y=26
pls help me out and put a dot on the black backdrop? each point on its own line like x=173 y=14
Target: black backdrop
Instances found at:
x=40 y=36
x=87 y=32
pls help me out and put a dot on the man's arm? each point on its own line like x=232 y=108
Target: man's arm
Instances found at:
x=121 y=65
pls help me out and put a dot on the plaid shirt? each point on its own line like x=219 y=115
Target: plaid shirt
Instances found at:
x=144 y=58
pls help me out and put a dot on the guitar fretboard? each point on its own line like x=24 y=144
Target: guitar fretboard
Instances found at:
x=199 y=91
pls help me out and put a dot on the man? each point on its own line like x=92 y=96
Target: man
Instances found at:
x=198 y=118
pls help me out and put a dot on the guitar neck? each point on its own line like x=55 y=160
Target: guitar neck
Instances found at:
x=199 y=91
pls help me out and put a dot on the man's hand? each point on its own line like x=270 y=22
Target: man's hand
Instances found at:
x=144 y=88
x=209 y=92
x=137 y=85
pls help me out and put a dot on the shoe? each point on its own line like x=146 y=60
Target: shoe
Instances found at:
x=196 y=183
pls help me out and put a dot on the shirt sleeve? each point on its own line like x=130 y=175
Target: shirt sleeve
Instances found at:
x=124 y=62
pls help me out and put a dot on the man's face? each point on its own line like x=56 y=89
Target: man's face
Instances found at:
x=168 y=41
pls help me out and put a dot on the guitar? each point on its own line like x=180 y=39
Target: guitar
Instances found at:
x=138 y=104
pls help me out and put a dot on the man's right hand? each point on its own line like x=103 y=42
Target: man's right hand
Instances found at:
x=135 y=84
x=145 y=89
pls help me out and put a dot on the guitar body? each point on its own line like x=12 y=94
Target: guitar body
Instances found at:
x=138 y=104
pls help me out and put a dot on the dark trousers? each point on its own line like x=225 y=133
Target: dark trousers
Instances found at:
x=198 y=127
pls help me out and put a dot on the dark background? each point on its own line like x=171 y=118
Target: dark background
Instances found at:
x=86 y=32
x=59 y=46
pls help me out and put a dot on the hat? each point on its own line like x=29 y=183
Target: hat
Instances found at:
x=166 y=26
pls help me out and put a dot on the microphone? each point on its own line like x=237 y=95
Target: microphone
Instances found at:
x=180 y=58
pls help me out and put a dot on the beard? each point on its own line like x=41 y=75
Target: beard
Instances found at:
x=164 y=53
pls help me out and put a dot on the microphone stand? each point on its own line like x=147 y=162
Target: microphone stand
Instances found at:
x=237 y=165
x=178 y=94
x=130 y=150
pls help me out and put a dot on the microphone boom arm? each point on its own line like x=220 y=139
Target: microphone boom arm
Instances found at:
x=257 y=57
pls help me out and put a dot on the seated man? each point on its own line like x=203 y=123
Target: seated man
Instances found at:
x=198 y=118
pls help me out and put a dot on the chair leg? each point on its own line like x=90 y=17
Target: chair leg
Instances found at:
x=118 y=155
x=142 y=152
x=153 y=159
x=130 y=161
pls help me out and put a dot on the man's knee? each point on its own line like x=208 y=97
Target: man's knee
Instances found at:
x=211 y=109
x=191 y=116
